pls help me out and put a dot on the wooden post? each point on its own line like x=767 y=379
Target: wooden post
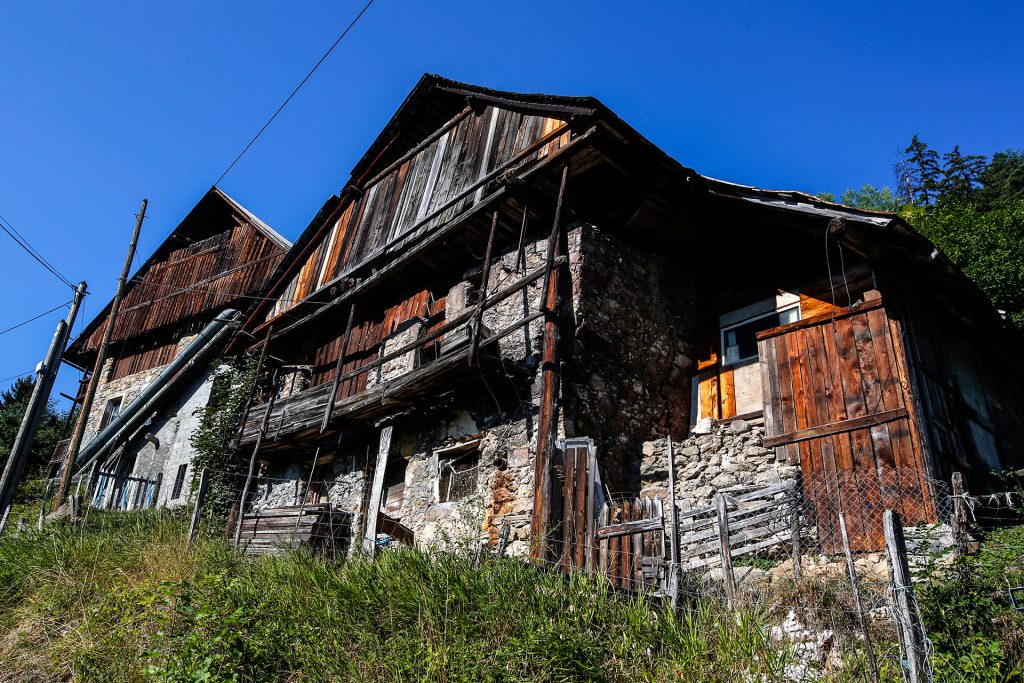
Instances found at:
x=200 y=499
x=547 y=421
x=101 y=358
x=252 y=459
x=252 y=388
x=673 y=527
x=373 y=509
x=591 y=508
x=229 y=528
x=15 y=466
x=478 y=317
x=331 y=397
x=908 y=625
x=960 y=514
x=851 y=569
x=728 y=575
x=794 y=532
x=506 y=530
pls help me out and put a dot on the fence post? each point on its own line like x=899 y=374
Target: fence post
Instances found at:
x=960 y=513
x=728 y=576
x=200 y=499
x=908 y=624
x=794 y=532
x=856 y=598
x=673 y=567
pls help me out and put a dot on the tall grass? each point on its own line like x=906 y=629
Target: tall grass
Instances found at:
x=125 y=600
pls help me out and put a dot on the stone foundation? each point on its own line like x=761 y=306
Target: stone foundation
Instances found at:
x=724 y=456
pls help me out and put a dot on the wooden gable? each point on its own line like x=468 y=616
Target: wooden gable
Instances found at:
x=435 y=181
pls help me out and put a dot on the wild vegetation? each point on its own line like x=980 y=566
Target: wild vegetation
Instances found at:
x=123 y=599
x=970 y=206
x=52 y=426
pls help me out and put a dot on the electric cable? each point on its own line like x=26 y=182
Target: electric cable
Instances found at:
x=26 y=322
x=296 y=90
x=6 y=226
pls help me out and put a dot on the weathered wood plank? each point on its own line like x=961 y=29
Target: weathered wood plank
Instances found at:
x=373 y=507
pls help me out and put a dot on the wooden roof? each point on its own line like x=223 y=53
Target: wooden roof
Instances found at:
x=219 y=255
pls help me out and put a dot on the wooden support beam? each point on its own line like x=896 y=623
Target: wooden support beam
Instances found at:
x=836 y=427
x=637 y=526
x=252 y=458
x=548 y=420
x=197 y=511
x=337 y=369
x=673 y=529
x=252 y=387
x=377 y=490
x=478 y=315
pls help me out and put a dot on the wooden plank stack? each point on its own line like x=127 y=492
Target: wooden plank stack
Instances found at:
x=272 y=530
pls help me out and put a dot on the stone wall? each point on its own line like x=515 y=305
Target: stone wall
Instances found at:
x=170 y=430
x=714 y=457
x=633 y=352
x=170 y=445
x=497 y=416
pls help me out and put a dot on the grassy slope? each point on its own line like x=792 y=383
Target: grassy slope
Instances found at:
x=125 y=600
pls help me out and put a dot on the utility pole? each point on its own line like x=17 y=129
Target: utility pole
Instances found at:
x=101 y=358
x=36 y=406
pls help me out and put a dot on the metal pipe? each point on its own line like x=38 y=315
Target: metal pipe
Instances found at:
x=181 y=368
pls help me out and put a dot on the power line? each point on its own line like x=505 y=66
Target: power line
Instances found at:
x=23 y=374
x=301 y=83
x=6 y=226
x=26 y=322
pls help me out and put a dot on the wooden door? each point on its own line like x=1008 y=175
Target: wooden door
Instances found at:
x=576 y=509
x=836 y=403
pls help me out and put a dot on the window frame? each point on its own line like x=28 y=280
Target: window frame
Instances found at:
x=179 y=481
x=111 y=409
x=785 y=308
x=447 y=459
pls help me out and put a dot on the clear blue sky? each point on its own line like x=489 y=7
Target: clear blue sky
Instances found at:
x=105 y=103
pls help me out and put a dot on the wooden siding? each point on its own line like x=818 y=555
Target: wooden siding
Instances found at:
x=421 y=191
x=201 y=278
x=153 y=356
x=366 y=339
x=836 y=403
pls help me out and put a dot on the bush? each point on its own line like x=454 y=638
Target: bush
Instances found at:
x=977 y=634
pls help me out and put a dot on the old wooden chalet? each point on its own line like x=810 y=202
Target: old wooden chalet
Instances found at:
x=158 y=368
x=516 y=298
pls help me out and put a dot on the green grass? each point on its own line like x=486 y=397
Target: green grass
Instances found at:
x=124 y=600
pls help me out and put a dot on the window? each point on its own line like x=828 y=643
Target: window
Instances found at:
x=179 y=481
x=110 y=411
x=394 y=485
x=739 y=342
x=457 y=473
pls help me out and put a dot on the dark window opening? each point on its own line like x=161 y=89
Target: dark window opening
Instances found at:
x=110 y=411
x=739 y=342
x=179 y=481
x=394 y=485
